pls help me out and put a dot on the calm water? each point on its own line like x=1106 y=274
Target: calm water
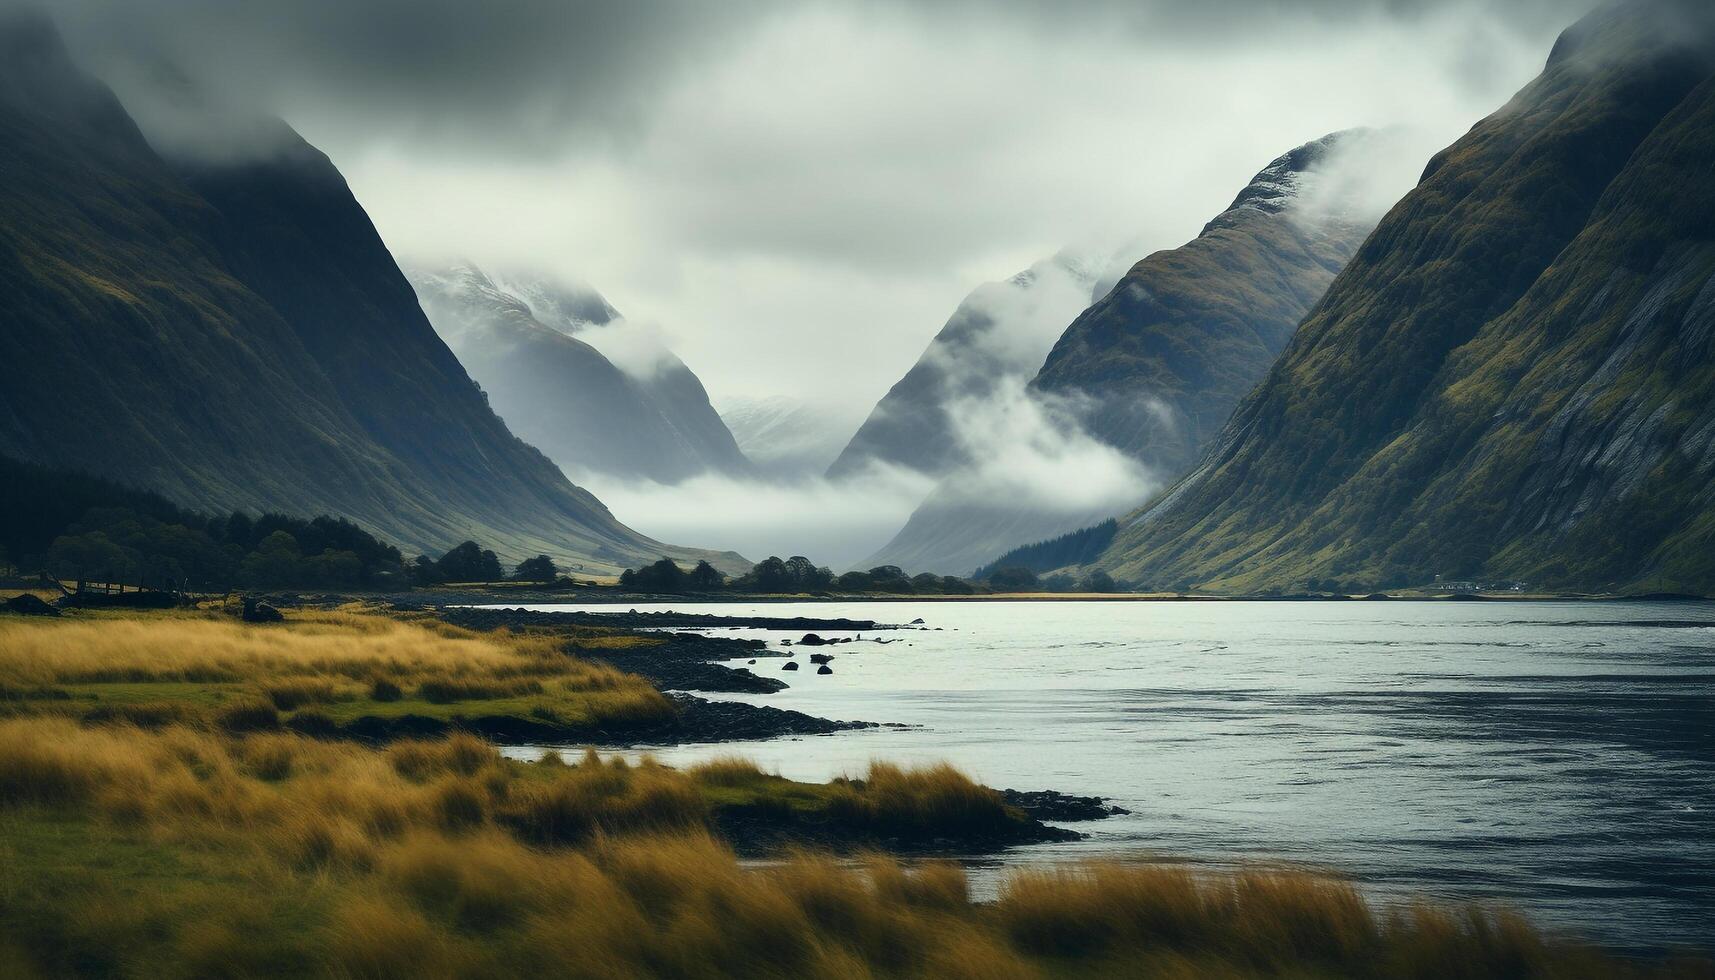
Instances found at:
x=1558 y=758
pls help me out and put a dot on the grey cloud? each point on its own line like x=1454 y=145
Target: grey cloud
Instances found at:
x=511 y=75
x=507 y=75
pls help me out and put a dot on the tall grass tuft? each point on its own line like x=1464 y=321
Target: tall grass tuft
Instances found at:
x=892 y=800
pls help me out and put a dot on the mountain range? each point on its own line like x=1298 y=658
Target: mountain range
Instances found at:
x=1153 y=367
x=1512 y=380
x=232 y=332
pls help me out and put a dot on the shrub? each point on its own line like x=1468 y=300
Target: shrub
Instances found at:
x=451 y=690
x=296 y=692
x=248 y=716
x=937 y=799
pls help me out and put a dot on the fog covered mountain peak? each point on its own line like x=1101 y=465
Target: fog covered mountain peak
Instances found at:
x=599 y=395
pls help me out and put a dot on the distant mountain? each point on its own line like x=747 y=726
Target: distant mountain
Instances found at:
x=1514 y=379
x=528 y=343
x=787 y=437
x=1000 y=331
x=235 y=335
x=1154 y=367
x=1158 y=364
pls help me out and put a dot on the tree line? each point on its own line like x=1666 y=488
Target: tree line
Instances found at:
x=799 y=575
x=88 y=529
x=792 y=576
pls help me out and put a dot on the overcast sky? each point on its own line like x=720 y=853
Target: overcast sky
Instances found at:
x=799 y=193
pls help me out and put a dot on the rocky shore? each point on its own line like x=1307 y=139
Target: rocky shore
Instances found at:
x=681 y=663
x=632 y=619
x=684 y=662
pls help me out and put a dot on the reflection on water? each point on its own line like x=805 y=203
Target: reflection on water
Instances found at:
x=1558 y=758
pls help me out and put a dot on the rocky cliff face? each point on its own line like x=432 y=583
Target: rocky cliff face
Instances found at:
x=236 y=335
x=1154 y=367
x=1513 y=378
x=525 y=341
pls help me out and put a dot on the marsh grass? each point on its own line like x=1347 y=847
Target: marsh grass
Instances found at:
x=200 y=667
x=910 y=807
x=187 y=851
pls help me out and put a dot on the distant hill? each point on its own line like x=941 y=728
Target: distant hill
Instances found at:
x=1001 y=331
x=528 y=343
x=786 y=437
x=235 y=335
x=1154 y=367
x=1514 y=378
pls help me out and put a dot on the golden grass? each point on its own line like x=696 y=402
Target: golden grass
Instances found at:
x=210 y=842
x=182 y=852
x=165 y=667
x=892 y=799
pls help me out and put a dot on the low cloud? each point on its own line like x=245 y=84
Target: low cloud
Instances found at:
x=639 y=348
x=1366 y=174
x=833 y=524
x=1009 y=326
x=1029 y=451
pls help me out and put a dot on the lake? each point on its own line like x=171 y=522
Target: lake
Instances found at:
x=1554 y=757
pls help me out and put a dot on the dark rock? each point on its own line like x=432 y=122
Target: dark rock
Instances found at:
x=496 y=618
x=1050 y=805
x=824 y=669
x=30 y=605
x=790 y=665
x=257 y=611
x=701 y=720
x=812 y=640
x=689 y=662
x=821 y=658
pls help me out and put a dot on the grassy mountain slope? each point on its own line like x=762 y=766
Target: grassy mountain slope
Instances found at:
x=1162 y=359
x=1513 y=377
x=239 y=337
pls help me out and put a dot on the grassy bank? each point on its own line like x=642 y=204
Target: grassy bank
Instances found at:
x=177 y=852
x=319 y=671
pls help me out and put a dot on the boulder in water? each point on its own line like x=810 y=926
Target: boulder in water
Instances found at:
x=790 y=665
x=824 y=669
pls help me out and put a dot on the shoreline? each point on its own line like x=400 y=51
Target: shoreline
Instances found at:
x=501 y=597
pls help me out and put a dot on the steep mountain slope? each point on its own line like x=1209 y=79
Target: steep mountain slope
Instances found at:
x=1000 y=331
x=1513 y=379
x=563 y=395
x=1155 y=366
x=237 y=336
